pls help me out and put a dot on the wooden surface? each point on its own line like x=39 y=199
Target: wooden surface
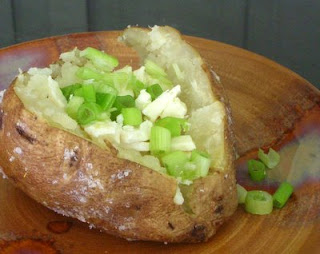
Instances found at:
x=267 y=102
x=286 y=31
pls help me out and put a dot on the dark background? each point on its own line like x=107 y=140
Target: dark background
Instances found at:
x=287 y=31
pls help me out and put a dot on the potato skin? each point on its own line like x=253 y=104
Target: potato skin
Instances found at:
x=76 y=178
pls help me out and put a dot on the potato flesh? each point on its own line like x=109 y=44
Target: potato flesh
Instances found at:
x=185 y=67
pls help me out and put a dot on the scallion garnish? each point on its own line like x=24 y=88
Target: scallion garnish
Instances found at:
x=173 y=124
x=153 y=69
x=154 y=90
x=121 y=102
x=126 y=101
x=105 y=100
x=88 y=93
x=175 y=162
x=257 y=170
x=271 y=159
x=102 y=87
x=100 y=59
x=68 y=90
x=242 y=194
x=87 y=73
x=189 y=171
x=136 y=85
x=160 y=140
x=258 y=202
x=88 y=112
x=282 y=194
x=73 y=105
x=202 y=162
x=116 y=78
x=131 y=116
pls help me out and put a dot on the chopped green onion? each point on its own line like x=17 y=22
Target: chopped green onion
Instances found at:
x=136 y=85
x=121 y=102
x=73 y=105
x=68 y=90
x=175 y=162
x=153 y=69
x=164 y=82
x=173 y=124
x=88 y=112
x=154 y=90
x=88 y=93
x=202 y=162
x=131 y=116
x=102 y=87
x=242 y=193
x=189 y=171
x=100 y=59
x=197 y=153
x=160 y=140
x=271 y=159
x=257 y=170
x=87 y=73
x=282 y=194
x=105 y=100
x=116 y=78
x=258 y=202
x=126 y=101
x=103 y=116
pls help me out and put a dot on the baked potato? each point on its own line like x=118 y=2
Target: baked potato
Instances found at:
x=125 y=192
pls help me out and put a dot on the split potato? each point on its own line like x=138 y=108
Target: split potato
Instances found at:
x=69 y=173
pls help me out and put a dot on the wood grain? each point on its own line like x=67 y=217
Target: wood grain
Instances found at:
x=267 y=100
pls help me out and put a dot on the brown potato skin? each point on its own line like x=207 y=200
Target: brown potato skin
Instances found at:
x=121 y=197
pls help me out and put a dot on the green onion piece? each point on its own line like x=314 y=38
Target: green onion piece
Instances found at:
x=196 y=153
x=282 y=194
x=258 y=202
x=271 y=159
x=78 y=92
x=202 y=162
x=73 y=105
x=154 y=90
x=126 y=101
x=87 y=73
x=121 y=102
x=174 y=162
x=173 y=124
x=136 y=85
x=116 y=78
x=68 y=90
x=102 y=87
x=88 y=112
x=131 y=116
x=165 y=83
x=100 y=59
x=153 y=69
x=189 y=171
x=242 y=193
x=257 y=170
x=88 y=93
x=105 y=100
x=103 y=116
x=160 y=140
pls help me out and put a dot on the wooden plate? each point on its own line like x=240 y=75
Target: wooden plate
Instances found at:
x=271 y=105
